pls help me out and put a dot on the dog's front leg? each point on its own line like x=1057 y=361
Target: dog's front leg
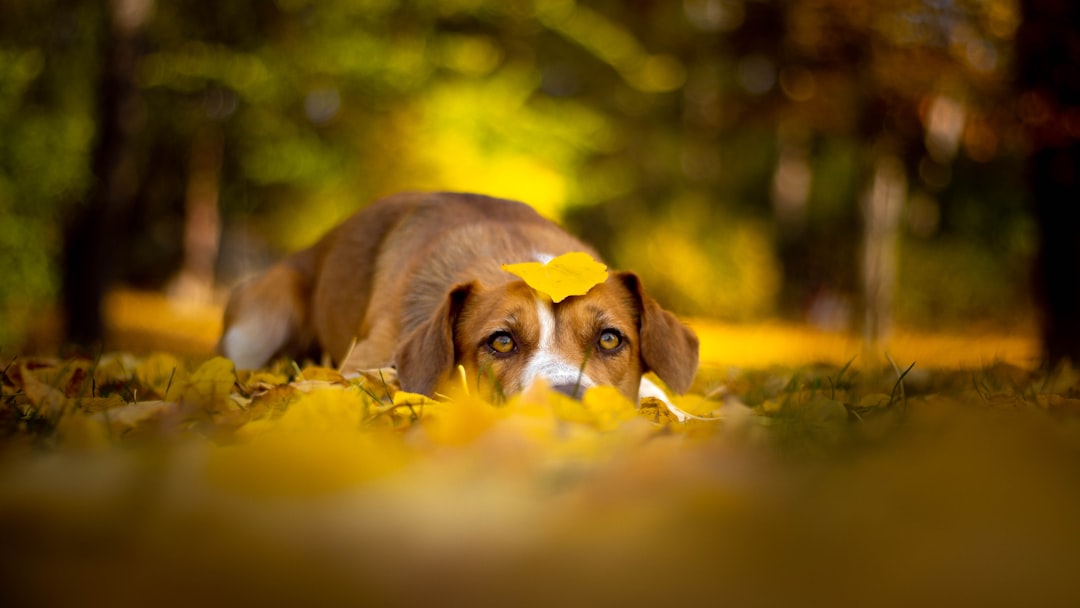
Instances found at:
x=373 y=351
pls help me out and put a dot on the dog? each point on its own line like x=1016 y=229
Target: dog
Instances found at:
x=416 y=281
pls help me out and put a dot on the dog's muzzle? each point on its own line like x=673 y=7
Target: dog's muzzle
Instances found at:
x=575 y=390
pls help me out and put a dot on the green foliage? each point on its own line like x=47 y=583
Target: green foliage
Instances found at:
x=950 y=281
x=654 y=132
x=46 y=117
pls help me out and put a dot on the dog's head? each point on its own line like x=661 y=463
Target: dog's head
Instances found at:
x=509 y=336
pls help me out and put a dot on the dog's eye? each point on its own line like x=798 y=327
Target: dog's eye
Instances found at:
x=609 y=340
x=501 y=342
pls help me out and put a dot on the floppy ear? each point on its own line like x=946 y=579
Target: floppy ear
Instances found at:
x=668 y=347
x=426 y=355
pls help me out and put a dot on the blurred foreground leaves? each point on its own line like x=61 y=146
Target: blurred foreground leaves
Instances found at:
x=129 y=480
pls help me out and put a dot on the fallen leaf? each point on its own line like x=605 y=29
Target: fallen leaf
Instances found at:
x=256 y=381
x=164 y=374
x=380 y=382
x=608 y=407
x=322 y=374
x=692 y=407
x=459 y=423
x=91 y=405
x=276 y=399
x=114 y=369
x=875 y=400
x=129 y=417
x=570 y=274
x=412 y=399
x=319 y=445
x=45 y=398
x=656 y=411
x=82 y=431
x=210 y=386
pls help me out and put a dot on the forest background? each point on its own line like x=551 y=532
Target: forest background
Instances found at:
x=792 y=177
x=850 y=165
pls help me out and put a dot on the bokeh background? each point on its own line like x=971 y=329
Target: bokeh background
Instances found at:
x=852 y=166
x=802 y=179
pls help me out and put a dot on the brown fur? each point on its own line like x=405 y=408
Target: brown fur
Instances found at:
x=415 y=280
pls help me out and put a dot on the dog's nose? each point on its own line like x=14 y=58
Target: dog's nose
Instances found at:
x=575 y=390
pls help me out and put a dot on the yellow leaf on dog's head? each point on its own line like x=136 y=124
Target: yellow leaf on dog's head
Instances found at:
x=570 y=274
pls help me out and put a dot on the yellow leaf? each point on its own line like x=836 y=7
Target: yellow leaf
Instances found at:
x=115 y=369
x=83 y=431
x=407 y=408
x=325 y=409
x=771 y=407
x=319 y=445
x=45 y=398
x=564 y=408
x=603 y=408
x=129 y=417
x=609 y=407
x=322 y=374
x=461 y=422
x=275 y=399
x=263 y=378
x=210 y=385
x=164 y=374
x=381 y=382
x=696 y=404
x=69 y=377
x=696 y=407
x=414 y=399
x=91 y=405
x=570 y=274
x=657 y=411
x=875 y=400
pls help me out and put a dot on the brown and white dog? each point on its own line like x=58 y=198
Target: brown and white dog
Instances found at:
x=414 y=280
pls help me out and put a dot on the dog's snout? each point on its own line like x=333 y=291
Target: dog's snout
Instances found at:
x=575 y=390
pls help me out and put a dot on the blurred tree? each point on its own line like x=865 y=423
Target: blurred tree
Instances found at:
x=96 y=227
x=47 y=50
x=723 y=148
x=910 y=89
x=1048 y=47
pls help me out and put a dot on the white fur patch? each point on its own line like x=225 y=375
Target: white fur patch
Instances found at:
x=546 y=317
x=250 y=344
x=545 y=362
x=648 y=388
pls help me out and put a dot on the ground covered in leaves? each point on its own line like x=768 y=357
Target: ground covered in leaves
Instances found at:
x=157 y=481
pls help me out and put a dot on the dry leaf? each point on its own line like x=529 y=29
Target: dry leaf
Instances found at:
x=210 y=385
x=319 y=445
x=164 y=374
x=45 y=398
x=322 y=374
x=129 y=417
x=411 y=399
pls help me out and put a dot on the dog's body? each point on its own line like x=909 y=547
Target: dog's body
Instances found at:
x=415 y=280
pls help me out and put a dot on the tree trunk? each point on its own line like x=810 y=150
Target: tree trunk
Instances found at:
x=94 y=230
x=1049 y=103
x=202 y=224
x=881 y=212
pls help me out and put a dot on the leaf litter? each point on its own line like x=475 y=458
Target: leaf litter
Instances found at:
x=186 y=480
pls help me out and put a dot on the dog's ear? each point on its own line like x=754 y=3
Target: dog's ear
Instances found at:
x=668 y=347
x=426 y=355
